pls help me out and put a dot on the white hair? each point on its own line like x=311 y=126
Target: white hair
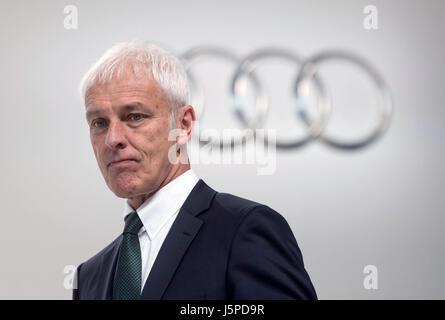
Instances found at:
x=144 y=60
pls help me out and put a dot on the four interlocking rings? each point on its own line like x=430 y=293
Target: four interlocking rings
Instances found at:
x=245 y=69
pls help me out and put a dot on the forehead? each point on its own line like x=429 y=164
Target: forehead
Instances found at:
x=119 y=91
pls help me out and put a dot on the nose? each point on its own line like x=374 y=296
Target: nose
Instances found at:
x=115 y=138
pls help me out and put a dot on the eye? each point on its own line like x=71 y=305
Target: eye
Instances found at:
x=98 y=123
x=136 y=116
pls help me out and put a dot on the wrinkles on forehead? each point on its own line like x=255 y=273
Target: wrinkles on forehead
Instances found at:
x=117 y=91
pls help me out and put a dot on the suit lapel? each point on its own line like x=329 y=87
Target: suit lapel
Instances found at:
x=178 y=239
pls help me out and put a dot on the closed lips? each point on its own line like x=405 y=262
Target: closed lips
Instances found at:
x=120 y=161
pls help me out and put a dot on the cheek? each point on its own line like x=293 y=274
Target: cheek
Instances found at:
x=156 y=140
x=98 y=152
x=156 y=151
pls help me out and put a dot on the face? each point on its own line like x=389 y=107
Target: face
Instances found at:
x=129 y=126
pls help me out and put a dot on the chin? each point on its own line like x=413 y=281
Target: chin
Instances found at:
x=122 y=193
x=124 y=188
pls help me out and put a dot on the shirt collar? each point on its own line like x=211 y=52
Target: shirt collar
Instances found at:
x=161 y=206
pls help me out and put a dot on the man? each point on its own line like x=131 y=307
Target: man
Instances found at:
x=182 y=239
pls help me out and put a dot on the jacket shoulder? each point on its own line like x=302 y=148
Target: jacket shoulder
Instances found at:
x=98 y=256
x=242 y=209
x=91 y=267
x=235 y=207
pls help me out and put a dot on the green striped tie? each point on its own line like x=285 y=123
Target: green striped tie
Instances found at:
x=127 y=279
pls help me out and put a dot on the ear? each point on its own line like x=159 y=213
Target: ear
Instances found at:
x=185 y=119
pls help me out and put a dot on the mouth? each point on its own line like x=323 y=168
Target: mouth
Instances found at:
x=122 y=162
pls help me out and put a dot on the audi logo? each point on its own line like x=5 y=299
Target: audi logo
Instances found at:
x=244 y=70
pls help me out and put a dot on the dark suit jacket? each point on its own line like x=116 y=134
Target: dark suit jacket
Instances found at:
x=219 y=247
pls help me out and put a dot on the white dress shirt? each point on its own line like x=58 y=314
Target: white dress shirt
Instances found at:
x=157 y=214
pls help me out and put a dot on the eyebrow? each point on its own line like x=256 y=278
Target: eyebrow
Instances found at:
x=126 y=108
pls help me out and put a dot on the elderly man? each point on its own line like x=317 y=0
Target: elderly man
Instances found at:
x=181 y=239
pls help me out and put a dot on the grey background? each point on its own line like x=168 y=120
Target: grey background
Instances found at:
x=381 y=206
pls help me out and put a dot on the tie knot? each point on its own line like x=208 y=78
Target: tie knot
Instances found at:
x=132 y=223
